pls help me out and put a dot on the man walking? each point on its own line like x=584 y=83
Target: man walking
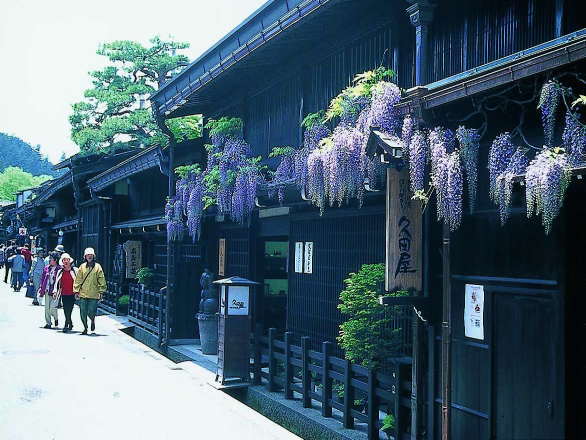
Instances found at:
x=37 y=269
x=89 y=285
x=9 y=252
x=18 y=265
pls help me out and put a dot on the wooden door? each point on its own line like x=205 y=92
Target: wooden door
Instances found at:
x=528 y=365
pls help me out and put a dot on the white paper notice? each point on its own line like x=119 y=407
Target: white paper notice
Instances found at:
x=474 y=312
x=298 y=257
x=308 y=265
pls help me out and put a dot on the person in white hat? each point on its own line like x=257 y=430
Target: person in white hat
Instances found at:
x=89 y=286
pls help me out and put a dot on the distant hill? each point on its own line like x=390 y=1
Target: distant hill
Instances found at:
x=18 y=153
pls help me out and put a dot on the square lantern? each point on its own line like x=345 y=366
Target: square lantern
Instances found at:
x=236 y=298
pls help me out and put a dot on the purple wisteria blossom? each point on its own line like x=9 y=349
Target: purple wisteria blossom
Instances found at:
x=547 y=178
x=500 y=154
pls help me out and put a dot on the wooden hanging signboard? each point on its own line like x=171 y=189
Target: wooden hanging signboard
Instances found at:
x=222 y=257
x=403 y=234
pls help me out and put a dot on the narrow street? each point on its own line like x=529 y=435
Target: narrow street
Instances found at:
x=59 y=386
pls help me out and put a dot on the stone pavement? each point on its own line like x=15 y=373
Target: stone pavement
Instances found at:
x=108 y=386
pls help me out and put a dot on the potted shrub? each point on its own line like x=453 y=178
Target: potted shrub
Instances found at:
x=145 y=277
x=122 y=305
x=365 y=335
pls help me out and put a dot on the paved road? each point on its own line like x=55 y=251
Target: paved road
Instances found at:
x=58 y=386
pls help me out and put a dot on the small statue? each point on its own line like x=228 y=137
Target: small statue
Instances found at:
x=209 y=298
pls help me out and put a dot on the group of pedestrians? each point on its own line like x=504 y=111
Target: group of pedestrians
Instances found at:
x=54 y=280
x=18 y=261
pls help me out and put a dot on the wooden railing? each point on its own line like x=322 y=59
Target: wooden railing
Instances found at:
x=357 y=396
x=110 y=297
x=146 y=308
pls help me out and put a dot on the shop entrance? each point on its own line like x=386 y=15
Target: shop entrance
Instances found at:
x=273 y=274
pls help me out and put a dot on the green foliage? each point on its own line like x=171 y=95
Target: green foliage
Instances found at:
x=110 y=117
x=186 y=170
x=365 y=82
x=17 y=153
x=388 y=424
x=281 y=151
x=14 y=179
x=123 y=300
x=363 y=86
x=185 y=128
x=365 y=336
x=313 y=119
x=212 y=182
x=145 y=276
x=225 y=126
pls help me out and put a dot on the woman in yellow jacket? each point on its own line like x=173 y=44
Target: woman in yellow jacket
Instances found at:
x=90 y=284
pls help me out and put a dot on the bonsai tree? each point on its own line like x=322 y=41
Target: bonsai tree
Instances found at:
x=366 y=336
x=145 y=276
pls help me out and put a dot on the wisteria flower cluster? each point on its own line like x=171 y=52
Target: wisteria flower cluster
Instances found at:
x=574 y=139
x=173 y=216
x=548 y=175
x=547 y=178
x=504 y=182
x=418 y=157
x=469 y=141
x=500 y=154
x=446 y=176
x=229 y=181
x=549 y=100
x=331 y=167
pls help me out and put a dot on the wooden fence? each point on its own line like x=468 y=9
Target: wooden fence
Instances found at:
x=146 y=308
x=110 y=297
x=348 y=392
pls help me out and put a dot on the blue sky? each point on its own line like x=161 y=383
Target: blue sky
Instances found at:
x=47 y=48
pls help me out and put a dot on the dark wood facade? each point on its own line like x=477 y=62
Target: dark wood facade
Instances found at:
x=523 y=379
x=512 y=384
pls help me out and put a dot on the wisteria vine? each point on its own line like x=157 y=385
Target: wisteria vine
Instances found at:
x=331 y=167
x=229 y=181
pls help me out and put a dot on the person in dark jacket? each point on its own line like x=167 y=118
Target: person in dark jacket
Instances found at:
x=9 y=252
x=18 y=264
x=2 y=255
x=28 y=259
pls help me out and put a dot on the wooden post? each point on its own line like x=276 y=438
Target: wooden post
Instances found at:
x=372 y=407
x=305 y=376
x=416 y=375
x=257 y=356
x=421 y=16
x=446 y=335
x=271 y=384
x=398 y=410
x=288 y=366
x=348 y=419
x=431 y=383
x=160 y=311
x=326 y=407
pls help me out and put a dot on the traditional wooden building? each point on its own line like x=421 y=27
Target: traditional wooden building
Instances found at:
x=290 y=58
x=132 y=195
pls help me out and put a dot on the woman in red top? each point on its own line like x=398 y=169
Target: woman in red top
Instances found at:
x=64 y=288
